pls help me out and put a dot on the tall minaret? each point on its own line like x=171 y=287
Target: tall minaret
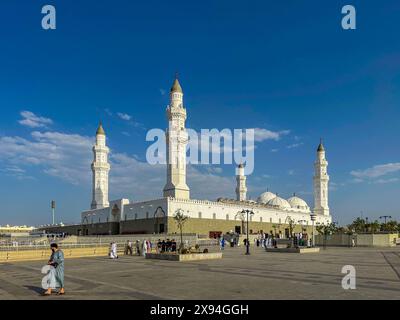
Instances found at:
x=177 y=139
x=321 y=180
x=241 y=190
x=100 y=169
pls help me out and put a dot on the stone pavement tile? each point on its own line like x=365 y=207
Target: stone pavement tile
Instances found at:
x=235 y=277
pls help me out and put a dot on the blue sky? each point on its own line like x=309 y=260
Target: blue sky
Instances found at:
x=274 y=65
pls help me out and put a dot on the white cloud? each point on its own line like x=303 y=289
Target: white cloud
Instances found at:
x=261 y=134
x=68 y=157
x=386 y=181
x=163 y=92
x=124 y=116
x=29 y=119
x=376 y=171
x=295 y=145
x=57 y=154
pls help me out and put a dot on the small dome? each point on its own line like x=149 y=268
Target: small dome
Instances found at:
x=176 y=87
x=321 y=147
x=298 y=203
x=279 y=203
x=100 y=130
x=265 y=197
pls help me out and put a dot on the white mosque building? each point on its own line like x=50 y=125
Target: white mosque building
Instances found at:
x=271 y=212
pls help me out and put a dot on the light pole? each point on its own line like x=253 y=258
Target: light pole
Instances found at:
x=313 y=218
x=247 y=212
x=53 y=209
x=385 y=217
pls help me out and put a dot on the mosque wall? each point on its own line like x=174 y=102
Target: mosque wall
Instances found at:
x=214 y=211
x=207 y=226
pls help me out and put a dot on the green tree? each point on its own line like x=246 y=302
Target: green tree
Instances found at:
x=390 y=226
x=374 y=226
x=358 y=225
x=180 y=220
x=327 y=229
x=292 y=224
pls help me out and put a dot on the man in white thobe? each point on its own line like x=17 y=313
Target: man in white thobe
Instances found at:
x=144 y=249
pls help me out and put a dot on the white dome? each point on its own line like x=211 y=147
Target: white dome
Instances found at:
x=298 y=203
x=279 y=203
x=265 y=197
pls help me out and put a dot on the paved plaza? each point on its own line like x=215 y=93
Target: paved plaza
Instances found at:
x=258 y=276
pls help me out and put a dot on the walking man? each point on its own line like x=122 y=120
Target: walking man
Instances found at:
x=57 y=262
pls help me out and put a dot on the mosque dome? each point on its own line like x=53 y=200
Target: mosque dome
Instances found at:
x=279 y=203
x=265 y=197
x=298 y=203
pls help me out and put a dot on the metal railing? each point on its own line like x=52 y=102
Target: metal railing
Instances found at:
x=120 y=244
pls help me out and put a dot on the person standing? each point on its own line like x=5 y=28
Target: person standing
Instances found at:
x=138 y=247
x=149 y=246
x=126 y=248
x=222 y=243
x=129 y=248
x=57 y=262
x=144 y=249
x=113 y=253
x=159 y=246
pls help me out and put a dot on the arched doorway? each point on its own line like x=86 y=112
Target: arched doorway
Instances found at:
x=159 y=221
x=85 y=228
x=242 y=228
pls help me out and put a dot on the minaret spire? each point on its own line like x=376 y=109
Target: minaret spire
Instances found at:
x=241 y=189
x=177 y=139
x=100 y=170
x=321 y=181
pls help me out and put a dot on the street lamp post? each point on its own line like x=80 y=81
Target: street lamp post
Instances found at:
x=247 y=212
x=53 y=209
x=385 y=217
x=313 y=218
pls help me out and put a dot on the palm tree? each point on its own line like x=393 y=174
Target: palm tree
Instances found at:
x=390 y=226
x=180 y=220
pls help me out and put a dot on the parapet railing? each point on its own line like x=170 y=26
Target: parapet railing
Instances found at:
x=122 y=244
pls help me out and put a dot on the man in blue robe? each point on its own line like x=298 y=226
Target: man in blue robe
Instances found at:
x=57 y=261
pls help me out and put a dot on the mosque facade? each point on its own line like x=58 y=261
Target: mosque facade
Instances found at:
x=271 y=212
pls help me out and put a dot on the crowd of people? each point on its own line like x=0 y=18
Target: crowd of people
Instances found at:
x=140 y=248
x=264 y=240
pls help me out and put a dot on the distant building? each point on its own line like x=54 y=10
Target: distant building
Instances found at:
x=8 y=230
